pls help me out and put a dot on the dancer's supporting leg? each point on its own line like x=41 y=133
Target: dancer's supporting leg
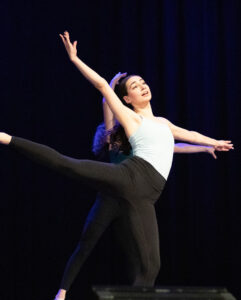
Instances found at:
x=139 y=252
x=143 y=249
x=150 y=237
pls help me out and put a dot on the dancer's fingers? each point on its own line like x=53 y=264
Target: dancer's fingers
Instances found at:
x=66 y=35
x=62 y=38
x=214 y=155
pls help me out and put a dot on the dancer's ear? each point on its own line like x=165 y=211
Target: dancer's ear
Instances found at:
x=127 y=99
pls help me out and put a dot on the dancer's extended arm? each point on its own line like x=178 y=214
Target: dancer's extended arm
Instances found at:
x=127 y=118
x=187 y=148
x=194 y=137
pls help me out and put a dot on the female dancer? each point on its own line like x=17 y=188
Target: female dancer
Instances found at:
x=138 y=181
x=107 y=210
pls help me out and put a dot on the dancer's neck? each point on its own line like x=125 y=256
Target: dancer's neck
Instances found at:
x=145 y=111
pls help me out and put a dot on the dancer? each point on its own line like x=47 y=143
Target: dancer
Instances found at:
x=107 y=210
x=138 y=181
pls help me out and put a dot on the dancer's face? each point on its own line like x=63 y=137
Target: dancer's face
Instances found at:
x=138 y=92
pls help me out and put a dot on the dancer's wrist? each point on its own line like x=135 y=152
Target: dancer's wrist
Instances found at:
x=73 y=58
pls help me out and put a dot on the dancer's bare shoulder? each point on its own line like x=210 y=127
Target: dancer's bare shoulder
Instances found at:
x=162 y=120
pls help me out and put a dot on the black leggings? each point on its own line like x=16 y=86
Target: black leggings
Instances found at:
x=106 y=211
x=136 y=185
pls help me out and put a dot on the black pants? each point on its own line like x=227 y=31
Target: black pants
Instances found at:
x=134 y=182
x=106 y=211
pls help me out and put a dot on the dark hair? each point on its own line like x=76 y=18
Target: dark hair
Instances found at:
x=118 y=138
x=119 y=141
x=121 y=89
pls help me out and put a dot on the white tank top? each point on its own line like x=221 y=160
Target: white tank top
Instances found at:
x=154 y=142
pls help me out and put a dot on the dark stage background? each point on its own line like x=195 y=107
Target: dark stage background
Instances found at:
x=189 y=53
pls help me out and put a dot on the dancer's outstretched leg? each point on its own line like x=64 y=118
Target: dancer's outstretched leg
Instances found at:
x=104 y=177
x=134 y=179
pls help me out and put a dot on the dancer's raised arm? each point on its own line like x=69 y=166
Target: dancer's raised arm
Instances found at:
x=127 y=118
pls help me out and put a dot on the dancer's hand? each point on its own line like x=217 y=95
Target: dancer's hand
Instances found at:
x=211 y=151
x=223 y=146
x=116 y=78
x=5 y=139
x=71 y=48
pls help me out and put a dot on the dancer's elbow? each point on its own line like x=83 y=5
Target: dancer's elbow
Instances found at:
x=101 y=85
